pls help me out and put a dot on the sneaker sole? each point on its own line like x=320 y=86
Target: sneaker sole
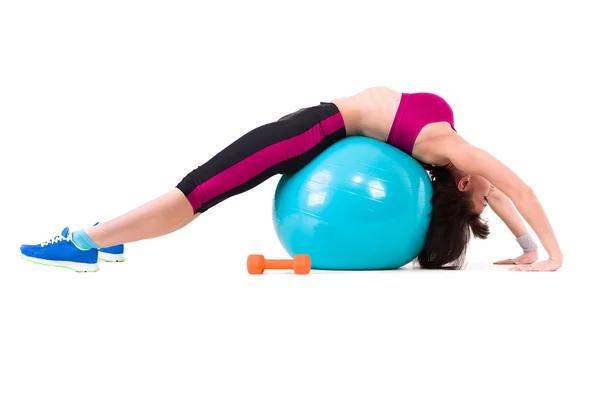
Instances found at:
x=108 y=257
x=73 y=266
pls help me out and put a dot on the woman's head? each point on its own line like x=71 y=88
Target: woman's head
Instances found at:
x=476 y=186
x=457 y=203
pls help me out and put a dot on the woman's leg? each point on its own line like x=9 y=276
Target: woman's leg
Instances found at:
x=158 y=217
x=281 y=147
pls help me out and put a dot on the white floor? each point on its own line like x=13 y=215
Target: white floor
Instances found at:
x=160 y=326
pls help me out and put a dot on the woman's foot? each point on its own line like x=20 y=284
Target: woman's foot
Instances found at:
x=60 y=251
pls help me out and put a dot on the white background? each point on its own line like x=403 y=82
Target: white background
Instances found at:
x=106 y=105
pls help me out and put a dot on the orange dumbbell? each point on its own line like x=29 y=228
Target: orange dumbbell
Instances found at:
x=257 y=264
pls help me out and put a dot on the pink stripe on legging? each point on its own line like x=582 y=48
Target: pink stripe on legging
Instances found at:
x=260 y=161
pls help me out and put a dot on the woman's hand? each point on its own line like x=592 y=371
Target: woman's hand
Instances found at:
x=525 y=258
x=547 y=265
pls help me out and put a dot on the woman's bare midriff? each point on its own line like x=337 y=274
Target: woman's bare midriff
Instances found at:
x=371 y=113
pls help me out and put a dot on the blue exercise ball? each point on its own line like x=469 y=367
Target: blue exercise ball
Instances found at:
x=362 y=204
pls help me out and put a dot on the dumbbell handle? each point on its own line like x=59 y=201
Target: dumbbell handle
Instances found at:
x=279 y=264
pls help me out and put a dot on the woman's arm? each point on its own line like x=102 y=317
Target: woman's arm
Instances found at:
x=505 y=209
x=473 y=160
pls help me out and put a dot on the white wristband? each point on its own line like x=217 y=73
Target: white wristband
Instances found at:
x=527 y=243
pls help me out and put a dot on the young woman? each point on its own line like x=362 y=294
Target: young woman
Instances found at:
x=465 y=180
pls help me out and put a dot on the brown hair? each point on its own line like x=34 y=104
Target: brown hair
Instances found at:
x=453 y=221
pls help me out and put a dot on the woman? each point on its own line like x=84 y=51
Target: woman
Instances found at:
x=465 y=180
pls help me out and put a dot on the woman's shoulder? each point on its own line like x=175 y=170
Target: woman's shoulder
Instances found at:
x=434 y=143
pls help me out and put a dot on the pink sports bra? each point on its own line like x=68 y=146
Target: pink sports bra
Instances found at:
x=414 y=112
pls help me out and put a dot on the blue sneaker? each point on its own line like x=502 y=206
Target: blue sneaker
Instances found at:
x=60 y=251
x=113 y=253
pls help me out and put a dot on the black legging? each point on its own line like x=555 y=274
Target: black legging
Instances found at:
x=282 y=147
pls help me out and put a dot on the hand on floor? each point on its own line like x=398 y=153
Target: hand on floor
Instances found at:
x=547 y=265
x=525 y=258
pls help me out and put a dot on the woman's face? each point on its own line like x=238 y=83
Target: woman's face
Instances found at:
x=479 y=188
